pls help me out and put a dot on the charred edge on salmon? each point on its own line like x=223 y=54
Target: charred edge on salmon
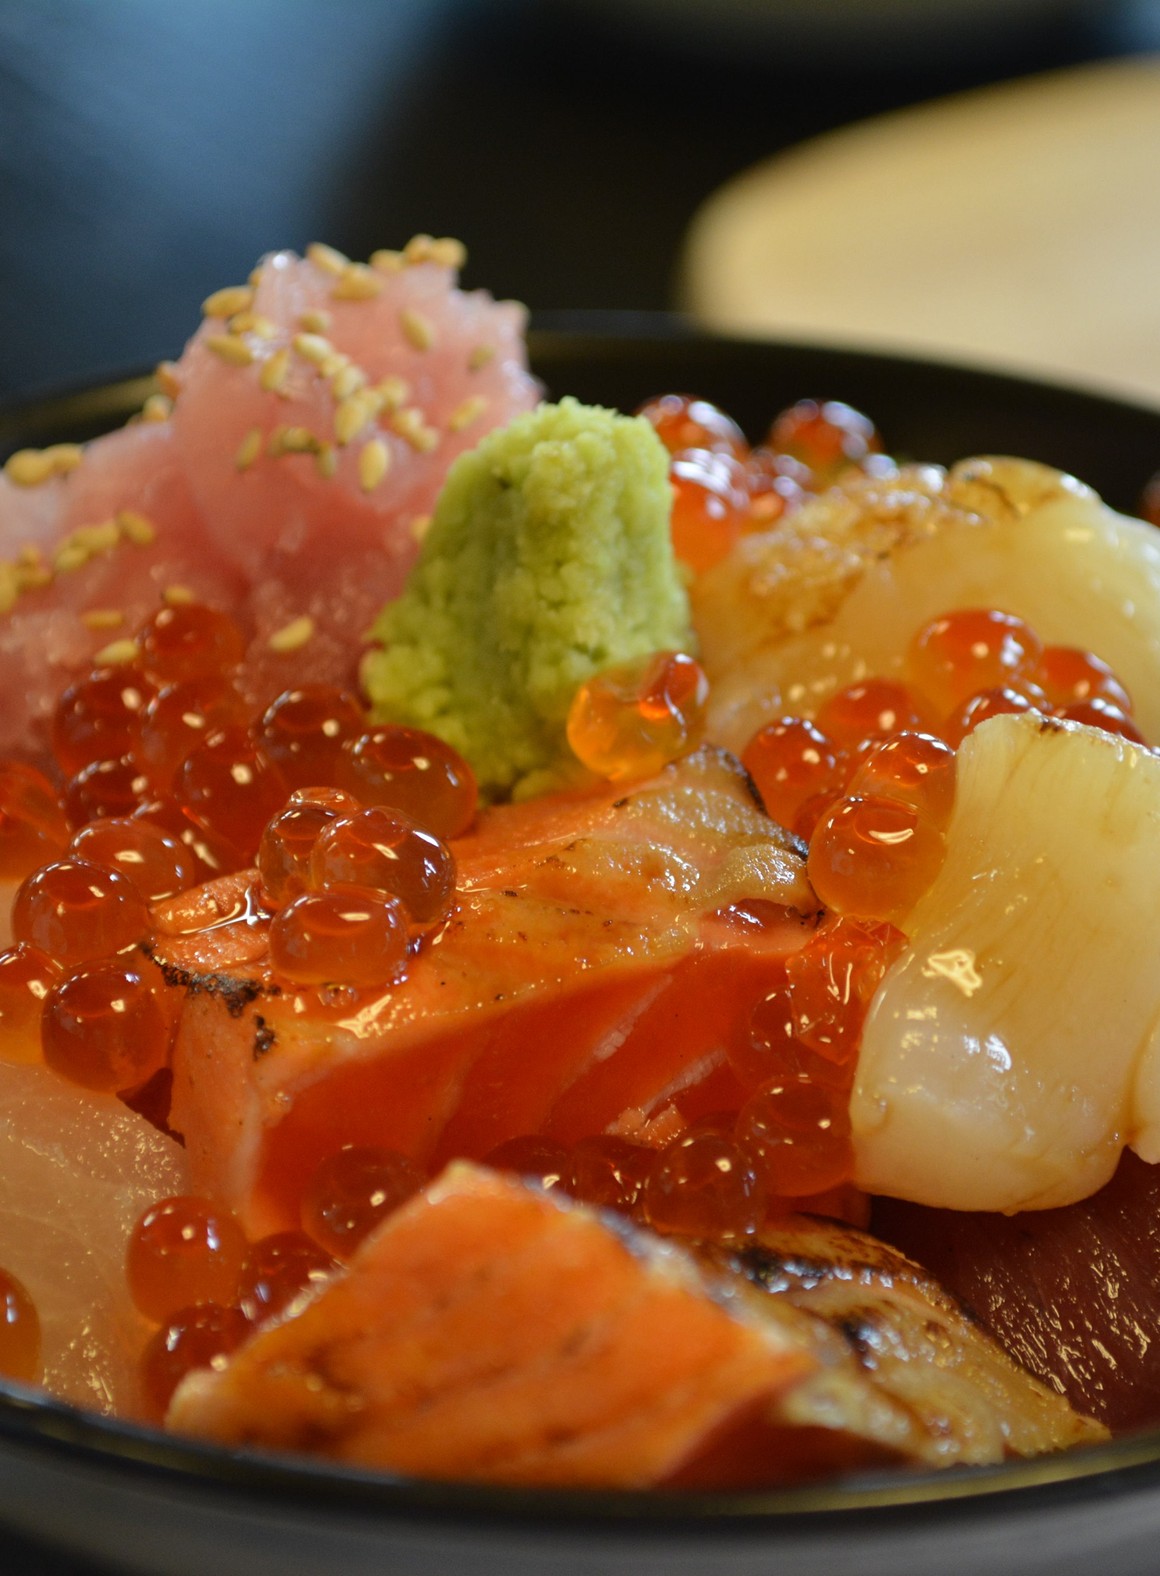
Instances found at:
x=234 y=994
x=861 y=1331
x=264 y=1037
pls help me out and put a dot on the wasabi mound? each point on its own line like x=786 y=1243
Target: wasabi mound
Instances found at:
x=548 y=558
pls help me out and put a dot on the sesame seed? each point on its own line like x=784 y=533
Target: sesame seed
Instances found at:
x=393 y=392
x=347 y=380
x=249 y=449
x=313 y=347
x=448 y=252
x=328 y=258
x=177 y=596
x=253 y=323
x=167 y=380
x=98 y=618
x=158 y=407
x=418 y=330
x=470 y=410
x=385 y=261
x=351 y=416
x=275 y=370
x=292 y=636
x=95 y=539
x=135 y=527
x=69 y=558
x=235 y=352
x=420 y=525
x=116 y=654
x=255 y=278
x=28 y=468
x=224 y=303
x=333 y=364
x=64 y=457
x=418 y=248
x=291 y=440
x=315 y=321
x=29 y=556
x=32 y=577
x=413 y=429
x=326 y=461
x=357 y=282
x=480 y=357
x=9 y=588
x=374 y=460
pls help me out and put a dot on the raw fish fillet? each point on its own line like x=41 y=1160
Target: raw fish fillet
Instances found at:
x=585 y=976
x=76 y=1171
x=310 y=538
x=488 y=1332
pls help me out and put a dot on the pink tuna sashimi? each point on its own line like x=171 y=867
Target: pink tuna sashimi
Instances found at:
x=317 y=423
x=84 y=559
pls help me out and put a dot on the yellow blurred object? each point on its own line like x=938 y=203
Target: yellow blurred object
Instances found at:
x=1016 y=225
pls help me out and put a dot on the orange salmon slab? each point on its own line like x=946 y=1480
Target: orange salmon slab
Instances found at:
x=596 y=963
x=573 y=1357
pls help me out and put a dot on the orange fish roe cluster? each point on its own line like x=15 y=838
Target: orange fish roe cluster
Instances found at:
x=723 y=489
x=168 y=775
x=869 y=782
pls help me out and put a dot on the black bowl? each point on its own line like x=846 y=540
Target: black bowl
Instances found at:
x=109 y=1495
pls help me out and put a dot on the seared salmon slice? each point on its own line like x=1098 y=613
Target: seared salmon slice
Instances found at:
x=492 y=1332
x=593 y=965
x=969 y=1401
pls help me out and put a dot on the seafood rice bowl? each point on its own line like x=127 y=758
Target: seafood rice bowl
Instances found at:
x=569 y=952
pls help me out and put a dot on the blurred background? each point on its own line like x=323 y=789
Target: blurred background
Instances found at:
x=150 y=151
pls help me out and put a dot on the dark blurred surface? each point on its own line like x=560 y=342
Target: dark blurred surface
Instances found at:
x=149 y=152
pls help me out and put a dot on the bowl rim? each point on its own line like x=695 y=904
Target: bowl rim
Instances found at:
x=31 y=1421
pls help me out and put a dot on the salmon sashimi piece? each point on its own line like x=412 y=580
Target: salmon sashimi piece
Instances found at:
x=491 y=1331
x=598 y=970
x=488 y=1333
x=1070 y=1292
x=970 y=1402
x=339 y=411
x=108 y=538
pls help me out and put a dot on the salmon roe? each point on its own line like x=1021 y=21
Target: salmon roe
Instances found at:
x=99 y=717
x=792 y=761
x=19 y=1331
x=104 y=1027
x=33 y=827
x=303 y=732
x=711 y=506
x=76 y=911
x=26 y=976
x=189 y=641
x=352 y=1192
x=703 y=1185
x=184 y=1251
x=156 y=864
x=384 y=849
x=408 y=770
x=345 y=935
x=279 y=1268
x=630 y=720
x=287 y=845
x=827 y=437
x=682 y=421
x=194 y=1337
x=178 y=717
